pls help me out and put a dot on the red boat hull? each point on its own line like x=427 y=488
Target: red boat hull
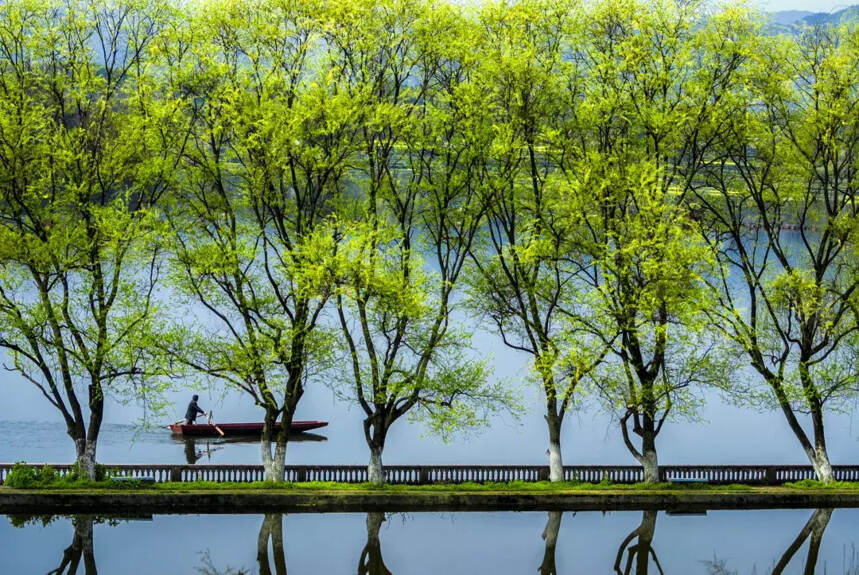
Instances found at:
x=234 y=429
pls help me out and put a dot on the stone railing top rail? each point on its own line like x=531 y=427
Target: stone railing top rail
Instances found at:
x=425 y=474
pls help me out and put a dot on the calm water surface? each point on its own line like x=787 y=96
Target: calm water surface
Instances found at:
x=639 y=542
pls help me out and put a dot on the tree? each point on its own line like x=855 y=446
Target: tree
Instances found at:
x=254 y=224
x=80 y=548
x=371 y=561
x=271 y=530
x=550 y=536
x=778 y=202
x=417 y=179
x=629 y=150
x=639 y=555
x=813 y=531
x=525 y=269
x=86 y=155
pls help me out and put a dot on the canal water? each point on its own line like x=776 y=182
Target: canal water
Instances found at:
x=626 y=542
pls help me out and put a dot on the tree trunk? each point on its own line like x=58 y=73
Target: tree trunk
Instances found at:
x=818 y=521
x=83 y=526
x=82 y=546
x=271 y=528
x=86 y=457
x=647 y=457
x=815 y=527
x=646 y=531
x=371 y=561
x=650 y=461
x=375 y=471
x=821 y=464
x=820 y=460
x=556 y=461
x=375 y=433
x=86 y=437
x=640 y=553
x=818 y=454
x=550 y=535
x=273 y=456
x=274 y=461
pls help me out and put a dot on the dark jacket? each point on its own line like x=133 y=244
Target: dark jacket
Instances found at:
x=192 y=411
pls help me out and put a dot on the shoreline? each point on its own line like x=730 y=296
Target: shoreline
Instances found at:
x=303 y=500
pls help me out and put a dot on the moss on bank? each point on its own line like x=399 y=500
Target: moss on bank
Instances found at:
x=26 y=477
x=207 y=497
x=519 y=487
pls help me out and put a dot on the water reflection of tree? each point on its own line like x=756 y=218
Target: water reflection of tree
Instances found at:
x=638 y=555
x=812 y=530
x=550 y=536
x=271 y=530
x=81 y=548
x=371 y=562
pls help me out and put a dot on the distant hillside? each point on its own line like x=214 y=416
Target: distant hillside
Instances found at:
x=788 y=17
x=792 y=21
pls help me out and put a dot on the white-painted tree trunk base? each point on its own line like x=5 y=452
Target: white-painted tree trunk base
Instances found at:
x=375 y=472
x=822 y=466
x=86 y=458
x=274 y=463
x=556 y=462
x=650 y=461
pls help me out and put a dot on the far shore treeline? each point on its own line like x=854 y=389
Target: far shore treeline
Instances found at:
x=642 y=196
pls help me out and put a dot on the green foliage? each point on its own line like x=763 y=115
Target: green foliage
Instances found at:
x=643 y=92
x=407 y=230
x=21 y=521
x=22 y=476
x=253 y=223
x=327 y=187
x=85 y=158
x=814 y=484
x=25 y=476
x=524 y=275
x=782 y=224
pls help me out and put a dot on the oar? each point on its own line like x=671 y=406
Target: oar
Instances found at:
x=212 y=423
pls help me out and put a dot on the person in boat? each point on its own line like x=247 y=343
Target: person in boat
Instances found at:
x=192 y=411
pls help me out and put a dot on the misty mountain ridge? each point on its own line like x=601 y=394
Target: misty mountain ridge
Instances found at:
x=791 y=21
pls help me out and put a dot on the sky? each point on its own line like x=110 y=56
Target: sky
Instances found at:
x=810 y=5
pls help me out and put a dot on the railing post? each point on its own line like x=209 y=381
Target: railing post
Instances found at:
x=176 y=474
x=770 y=475
x=543 y=474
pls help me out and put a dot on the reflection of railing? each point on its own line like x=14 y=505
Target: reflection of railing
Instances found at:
x=424 y=474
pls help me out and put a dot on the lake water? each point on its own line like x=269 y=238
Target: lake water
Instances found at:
x=724 y=434
x=628 y=542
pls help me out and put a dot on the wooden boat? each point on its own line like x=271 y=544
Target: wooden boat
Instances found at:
x=238 y=429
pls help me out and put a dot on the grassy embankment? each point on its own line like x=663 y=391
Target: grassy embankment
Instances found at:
x=46 y=478
x=521 y=487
